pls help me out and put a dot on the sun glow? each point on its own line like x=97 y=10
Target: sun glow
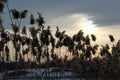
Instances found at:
x=88 y=27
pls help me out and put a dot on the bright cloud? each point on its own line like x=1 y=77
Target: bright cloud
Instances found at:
x=73 y=23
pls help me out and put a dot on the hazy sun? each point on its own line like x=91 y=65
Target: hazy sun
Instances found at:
x=89 y=27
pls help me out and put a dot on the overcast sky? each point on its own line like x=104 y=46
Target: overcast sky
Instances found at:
x=69 y=14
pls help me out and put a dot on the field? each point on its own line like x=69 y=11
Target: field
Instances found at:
x=35 y=52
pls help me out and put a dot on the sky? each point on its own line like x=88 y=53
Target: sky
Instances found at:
x=99 y=17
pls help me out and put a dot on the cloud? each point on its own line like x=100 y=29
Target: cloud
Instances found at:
x=103 y=12
x=72 y=23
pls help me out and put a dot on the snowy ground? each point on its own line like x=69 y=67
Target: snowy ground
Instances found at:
x=39 y=74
